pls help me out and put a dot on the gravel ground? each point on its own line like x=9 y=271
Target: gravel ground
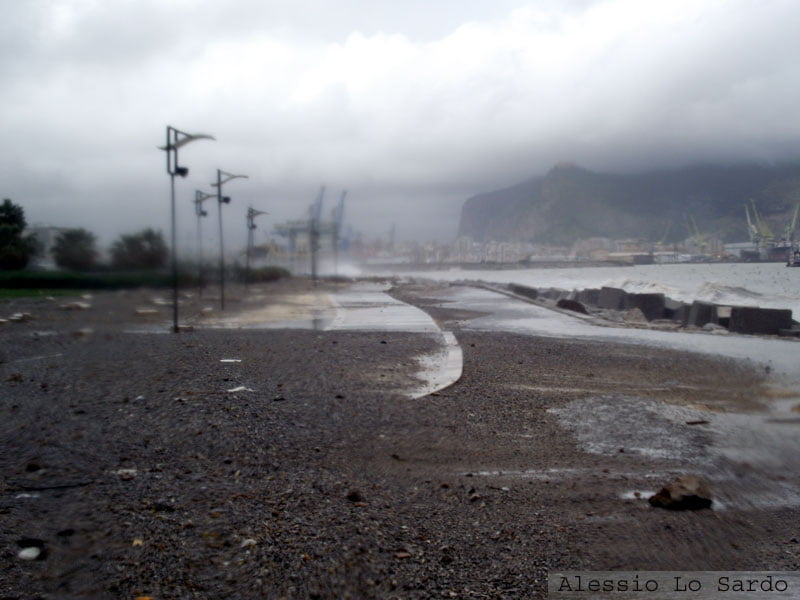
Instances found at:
x=141 y=475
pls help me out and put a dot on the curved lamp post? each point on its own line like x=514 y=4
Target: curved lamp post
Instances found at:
x=199 y=198
x=252 y=213
x=176 y=139
x=220 y=200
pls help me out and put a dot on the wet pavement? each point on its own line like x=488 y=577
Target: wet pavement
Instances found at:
x=357 y=307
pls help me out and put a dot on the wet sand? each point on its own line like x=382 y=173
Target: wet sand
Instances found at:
x=125 y=454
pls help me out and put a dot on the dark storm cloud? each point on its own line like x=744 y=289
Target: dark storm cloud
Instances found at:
x=411 y=106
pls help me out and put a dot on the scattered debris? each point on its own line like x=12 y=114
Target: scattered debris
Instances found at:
x=83 y=333
x=230 y=360
x=248 y=543
x=146 y=312
x=698 y=422
x=21 y=317
x=689 y=492
x=241 y=388
x=75 y=306
x=126 y=474
x=355 y=496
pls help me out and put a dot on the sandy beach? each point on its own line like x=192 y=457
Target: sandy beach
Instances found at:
x=146 y=466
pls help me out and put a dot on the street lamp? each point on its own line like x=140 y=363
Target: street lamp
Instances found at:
x=176 y=139
x=199 y=198
x=314 y=212
x=220 y=200
x=252 y=213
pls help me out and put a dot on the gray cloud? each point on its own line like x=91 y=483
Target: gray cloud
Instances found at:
x=411 y=106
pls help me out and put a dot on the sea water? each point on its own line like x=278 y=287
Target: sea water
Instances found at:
x=767 y=285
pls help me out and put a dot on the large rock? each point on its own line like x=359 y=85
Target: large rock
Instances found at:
x=613 y=298
x=652 y=305
x=746 y=319
x=634 y=315
x=688 y=492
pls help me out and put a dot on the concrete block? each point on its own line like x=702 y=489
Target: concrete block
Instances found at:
x=613 y=298
x=651 y=305
x=590 y=296
x=769 y=321
x=681 y=314
x=673 y=309
x=572 y=305
x=524 y=290
x=724 y=315
x=701 y=313
x=553 y=293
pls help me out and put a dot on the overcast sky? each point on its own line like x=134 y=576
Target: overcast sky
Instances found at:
x=412 y=106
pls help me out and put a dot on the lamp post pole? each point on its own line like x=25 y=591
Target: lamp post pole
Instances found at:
x=220 y=200
x=199 y=198
x=251 y=225
x=175 y=140
x=314 y=212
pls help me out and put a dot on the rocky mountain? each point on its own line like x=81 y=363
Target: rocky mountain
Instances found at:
x=570 y=203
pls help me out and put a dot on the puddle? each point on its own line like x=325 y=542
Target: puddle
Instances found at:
x=750 y=460
x=615 y=424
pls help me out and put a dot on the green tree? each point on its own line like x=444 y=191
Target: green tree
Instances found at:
x=74 y=249
x=145 y=249
x=15 y=250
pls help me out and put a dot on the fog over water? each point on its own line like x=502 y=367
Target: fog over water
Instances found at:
x=412 y=106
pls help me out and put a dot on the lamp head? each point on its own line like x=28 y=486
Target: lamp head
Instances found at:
x=182 y=171
x=226 y=199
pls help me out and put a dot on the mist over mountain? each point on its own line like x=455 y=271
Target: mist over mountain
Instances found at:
x=571 y=203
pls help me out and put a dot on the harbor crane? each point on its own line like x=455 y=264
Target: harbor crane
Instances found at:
x=764 y=233
x=752 y=230
x=700 y=239
x=314 y=227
